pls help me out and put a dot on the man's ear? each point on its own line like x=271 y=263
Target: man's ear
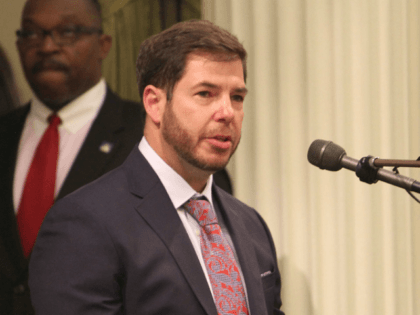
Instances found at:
x=154 y=100
x=105 y=42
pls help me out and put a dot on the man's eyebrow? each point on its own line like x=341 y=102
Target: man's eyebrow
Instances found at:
x=67 y=17
x=28 y=20
x=206 y=84
x=241 y=90
x=214 y=86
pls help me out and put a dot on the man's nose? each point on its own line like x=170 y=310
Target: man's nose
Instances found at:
x=47 y=44
x=225 y=110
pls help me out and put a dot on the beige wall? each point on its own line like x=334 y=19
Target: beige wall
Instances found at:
x=10 y=12
x=346 y=71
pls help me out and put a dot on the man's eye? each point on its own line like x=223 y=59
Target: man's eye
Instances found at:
x=67 y=32
x=238 y=98
x=29 y=34
x=204 y=93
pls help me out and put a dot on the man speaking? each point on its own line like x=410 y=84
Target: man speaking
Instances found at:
x=156 y=236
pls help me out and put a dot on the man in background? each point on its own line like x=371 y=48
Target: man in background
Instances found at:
x=155 y=235
x=73 y=131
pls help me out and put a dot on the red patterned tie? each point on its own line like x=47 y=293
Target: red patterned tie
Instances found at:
x=38 y=193
x=220 y=262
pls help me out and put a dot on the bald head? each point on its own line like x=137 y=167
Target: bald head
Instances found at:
x=59 y=71
x=91 y=7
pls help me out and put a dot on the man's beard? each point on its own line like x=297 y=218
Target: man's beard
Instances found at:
x=183 y=143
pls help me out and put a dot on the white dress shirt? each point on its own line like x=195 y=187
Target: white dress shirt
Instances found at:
x=76 y=117
x=180 y=192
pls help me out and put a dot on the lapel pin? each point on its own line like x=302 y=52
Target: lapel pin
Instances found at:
x=106 y=147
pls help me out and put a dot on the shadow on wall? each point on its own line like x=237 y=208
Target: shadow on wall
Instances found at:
x=9 y=99
x=294 y=280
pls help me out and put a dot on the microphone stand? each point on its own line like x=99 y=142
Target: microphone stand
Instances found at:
x=395 y=163
x=367 y=170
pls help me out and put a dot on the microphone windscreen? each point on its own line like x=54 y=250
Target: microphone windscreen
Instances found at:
x=326 y=155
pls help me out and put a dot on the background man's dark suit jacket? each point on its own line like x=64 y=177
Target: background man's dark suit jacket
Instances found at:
x=119 y=242
x=119 y=124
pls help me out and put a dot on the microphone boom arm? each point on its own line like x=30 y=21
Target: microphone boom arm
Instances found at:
x=381 y=174
x=327 y=155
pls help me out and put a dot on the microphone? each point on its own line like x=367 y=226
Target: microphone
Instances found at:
x=330 y=156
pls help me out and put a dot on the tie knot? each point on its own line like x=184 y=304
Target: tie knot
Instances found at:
x=202 y=211
x=54 y=120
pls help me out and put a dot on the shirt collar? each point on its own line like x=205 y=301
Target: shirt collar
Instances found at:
x=178 y=189
x=76 y=113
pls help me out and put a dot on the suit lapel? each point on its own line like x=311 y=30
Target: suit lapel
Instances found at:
x=246 y=254
x=100 y=145
x=157 y=210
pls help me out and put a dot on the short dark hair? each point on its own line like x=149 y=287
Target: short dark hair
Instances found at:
x=162 y=57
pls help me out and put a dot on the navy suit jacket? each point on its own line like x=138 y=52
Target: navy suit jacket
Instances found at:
x=118 y=246
x=120 y=124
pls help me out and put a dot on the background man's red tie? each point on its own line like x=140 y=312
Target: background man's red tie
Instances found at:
x=38 y=193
